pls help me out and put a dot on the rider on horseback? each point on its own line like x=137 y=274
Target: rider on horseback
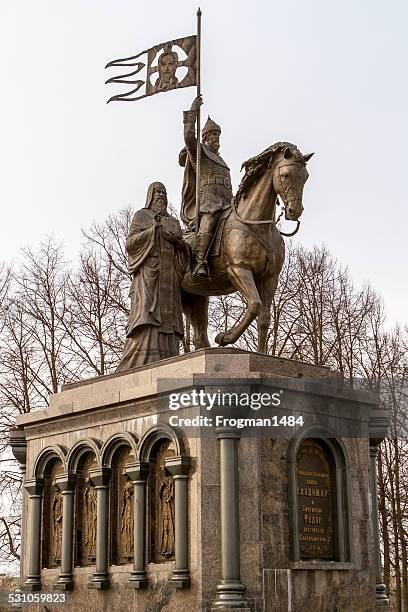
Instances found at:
x=215 y=183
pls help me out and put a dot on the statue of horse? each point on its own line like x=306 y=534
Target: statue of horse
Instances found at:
x=251 y=249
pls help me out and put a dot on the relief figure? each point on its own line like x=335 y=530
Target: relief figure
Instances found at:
x=90 y=520
x=126 y=528
x=166 y=493
x=56 y=525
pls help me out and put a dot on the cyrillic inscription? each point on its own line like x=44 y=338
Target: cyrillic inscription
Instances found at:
x=314 y=494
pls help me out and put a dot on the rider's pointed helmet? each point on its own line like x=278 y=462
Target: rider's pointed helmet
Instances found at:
x=210 y=126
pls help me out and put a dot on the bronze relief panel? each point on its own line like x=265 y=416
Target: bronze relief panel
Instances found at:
x=161 y=490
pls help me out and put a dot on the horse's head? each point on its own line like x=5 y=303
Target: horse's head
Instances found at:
x=289 y=174
x=282 y=166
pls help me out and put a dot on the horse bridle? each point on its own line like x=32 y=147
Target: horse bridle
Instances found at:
x=268 y=221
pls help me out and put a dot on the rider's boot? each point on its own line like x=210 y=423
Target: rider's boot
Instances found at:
x=201 y=248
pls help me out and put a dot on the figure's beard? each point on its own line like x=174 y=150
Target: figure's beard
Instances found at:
x=214 y=148
x=159 y=205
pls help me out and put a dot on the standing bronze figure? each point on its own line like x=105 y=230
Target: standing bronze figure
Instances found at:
x=157 y=259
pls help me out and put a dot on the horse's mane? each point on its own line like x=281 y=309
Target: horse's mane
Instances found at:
x=256 y=166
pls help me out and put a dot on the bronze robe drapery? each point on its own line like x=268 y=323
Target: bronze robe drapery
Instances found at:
x=155 y=325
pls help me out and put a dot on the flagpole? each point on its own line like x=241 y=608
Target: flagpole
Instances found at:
x=198 y=156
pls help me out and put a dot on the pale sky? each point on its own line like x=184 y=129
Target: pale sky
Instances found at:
x=331 y=77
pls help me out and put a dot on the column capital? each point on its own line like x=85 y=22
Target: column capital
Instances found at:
x=179 y=465
x=378 y=426
x=137 y=471
x=66 y=482
x=100 y=476
x=18 y=445
x=228 y=433
x=34 y=486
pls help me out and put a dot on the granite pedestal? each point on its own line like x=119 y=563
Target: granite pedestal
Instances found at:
x=236 y=498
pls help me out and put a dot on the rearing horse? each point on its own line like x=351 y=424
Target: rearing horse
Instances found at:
x=252 y=250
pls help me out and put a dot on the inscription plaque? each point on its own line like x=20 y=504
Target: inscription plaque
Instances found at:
x=315 y=502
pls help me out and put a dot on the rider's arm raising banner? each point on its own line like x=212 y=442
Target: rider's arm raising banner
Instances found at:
x=190 y=120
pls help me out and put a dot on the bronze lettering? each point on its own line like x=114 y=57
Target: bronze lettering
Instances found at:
x=314 y=491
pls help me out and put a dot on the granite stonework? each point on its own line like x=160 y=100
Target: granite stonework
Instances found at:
x=276 y=580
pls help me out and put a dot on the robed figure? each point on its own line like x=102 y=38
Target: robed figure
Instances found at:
x=157 y=260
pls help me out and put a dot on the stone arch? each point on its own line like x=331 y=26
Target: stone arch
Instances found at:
x=48 y=454
x=119 y=451
x=162 y=432
x=340 y=491
x=158 y=443
x=114 y=443
x=336 y=445
x=83 y=456
x=81 y=448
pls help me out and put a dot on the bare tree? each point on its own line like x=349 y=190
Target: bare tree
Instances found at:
x=60 y=323
x=96 y=314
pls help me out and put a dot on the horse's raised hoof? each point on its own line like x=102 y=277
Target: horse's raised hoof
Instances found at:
x=201 y=345
x=221 y=339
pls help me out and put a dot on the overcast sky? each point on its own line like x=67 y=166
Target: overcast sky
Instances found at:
x=330 y=77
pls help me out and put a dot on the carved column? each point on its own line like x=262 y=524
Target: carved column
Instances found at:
x=34 y=488
x=138 y=473
x=378 y=429
x=381 y=599
x=230 y=591
x=179 y=468
x=100 y=478
x=66 y=484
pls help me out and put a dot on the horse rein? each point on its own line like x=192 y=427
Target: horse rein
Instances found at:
x=266 y=221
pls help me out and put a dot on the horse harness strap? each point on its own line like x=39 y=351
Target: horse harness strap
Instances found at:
x=247 y=230
x=248 y=221
x=267 y=221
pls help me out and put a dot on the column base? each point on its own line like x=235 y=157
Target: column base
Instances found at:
x=138 y=580
x=64 y=585
x=99 y=581
x=180 y=579
x=99 y=585
x=381 y=599
x=230 y=596
x=33 y=583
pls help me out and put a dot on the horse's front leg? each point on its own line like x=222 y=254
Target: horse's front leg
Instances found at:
x=243 y=281
x=267 y=289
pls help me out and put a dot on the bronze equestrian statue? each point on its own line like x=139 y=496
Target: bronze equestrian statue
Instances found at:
x=250 y=251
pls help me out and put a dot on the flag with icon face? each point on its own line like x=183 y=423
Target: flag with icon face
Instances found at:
x=166 y=66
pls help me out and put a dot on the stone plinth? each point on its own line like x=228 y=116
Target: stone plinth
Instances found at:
x=258 y=526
